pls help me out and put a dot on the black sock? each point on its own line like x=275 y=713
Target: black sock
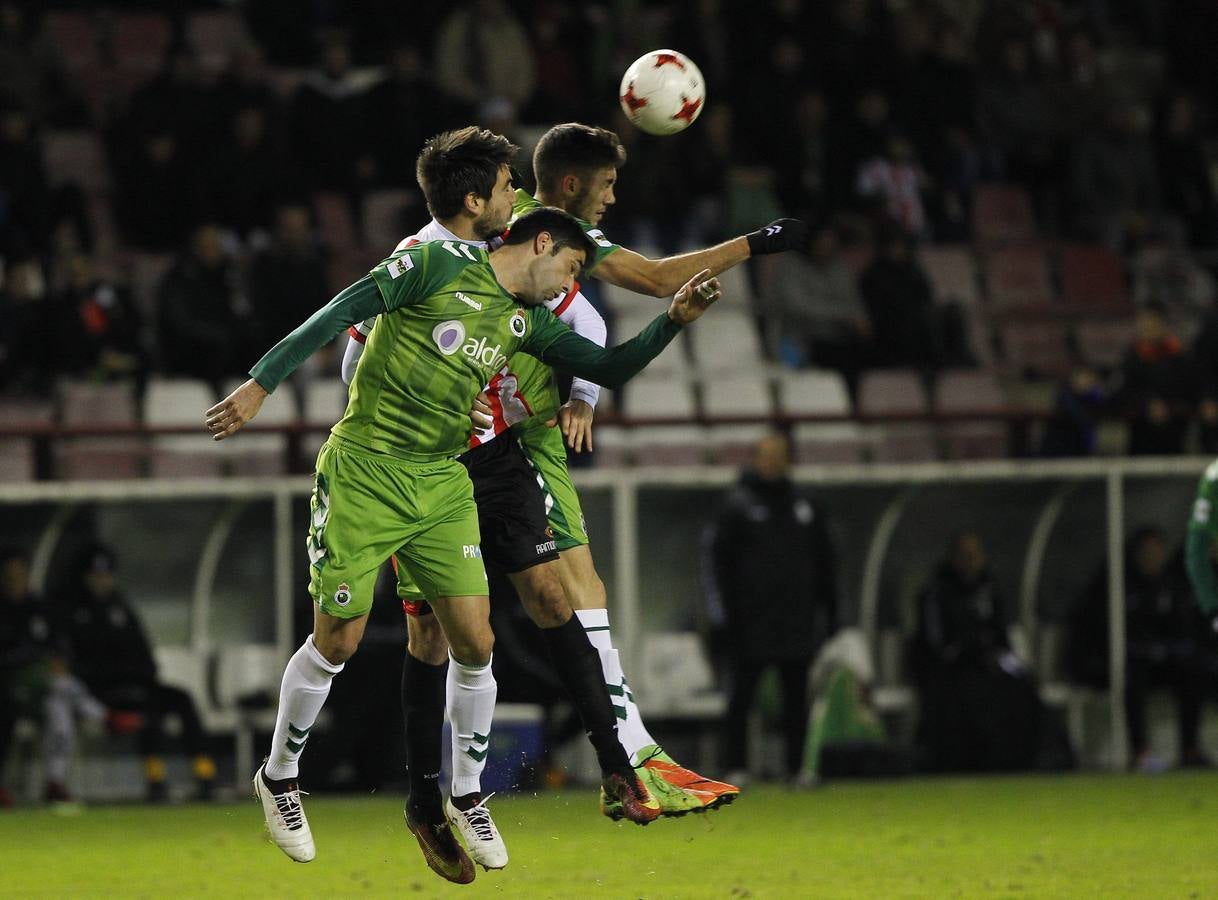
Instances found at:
x=423 y=710
x=579 y=669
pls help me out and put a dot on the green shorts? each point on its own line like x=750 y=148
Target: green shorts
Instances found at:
x=368 y=507
x=548 y=454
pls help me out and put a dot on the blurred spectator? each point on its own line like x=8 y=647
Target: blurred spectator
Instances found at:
x=158 y=201
x=1184 y=170
x=802 y=161
x=557 y=35
x=483 y=51
x=401 y=112
x=287 y=280
x=1165 y=646
x=202 y=312
x=249 y=174
x=1114 y=185
x=32 y=74
x=35 y=683
x=1166 y=272
x=245 y=84
x=1072 y=429
x=29 y=351
x=24 y=191
x=176 y=103
x=99 y=327
x=325 y=116
x=110 y=652
x=900 y=305
x=1156 y=386
x=979 y=707
x=893 y=182
x=813 y=308
x=773 y=599
x=864 y=136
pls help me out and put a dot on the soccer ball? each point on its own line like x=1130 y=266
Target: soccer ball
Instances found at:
x=662 y=92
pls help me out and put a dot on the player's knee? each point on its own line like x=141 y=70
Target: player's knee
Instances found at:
x=425 y=640
x=548 y=607
x=336 y=648
x=474 y=649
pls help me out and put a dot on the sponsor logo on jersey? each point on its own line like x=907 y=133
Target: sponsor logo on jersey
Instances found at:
x=468 y=302
x=491 y=358
x=547 y=547
x=449 y=336
x=343 y=595
x=518 y=323
x=598 y=237
x=471 y=551
x=399 y=267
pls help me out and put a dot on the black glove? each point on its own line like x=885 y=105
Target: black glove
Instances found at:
x=779 y=236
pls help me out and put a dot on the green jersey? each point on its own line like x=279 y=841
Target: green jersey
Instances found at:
x=446 y=326
x=1202 y=534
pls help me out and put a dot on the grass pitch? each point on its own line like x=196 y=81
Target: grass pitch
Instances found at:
x=1072 y=836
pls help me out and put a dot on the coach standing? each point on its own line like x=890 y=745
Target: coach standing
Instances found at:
x=774 y=596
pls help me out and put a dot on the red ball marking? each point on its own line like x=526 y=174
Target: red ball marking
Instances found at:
x=635 y=103
x=663 y=59
x=689 y=109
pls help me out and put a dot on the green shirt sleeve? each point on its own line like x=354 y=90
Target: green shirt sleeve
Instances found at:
x=353 y=304
x=557 y=345
x=603 y=247
x=1202 y=532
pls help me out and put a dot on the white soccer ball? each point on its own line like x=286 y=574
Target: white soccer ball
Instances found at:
x=662 y=92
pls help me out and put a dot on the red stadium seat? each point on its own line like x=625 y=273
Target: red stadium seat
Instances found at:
x=953 y=273
x=1038 y=347
x=1092 y=279
x=972 y=390
x=1103 y=342
x=1002 y=214
x=897 y=392
x=84 y=404
x=1018 y=278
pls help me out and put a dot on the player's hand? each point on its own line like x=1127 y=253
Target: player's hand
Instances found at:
x=232 y=413
x=481 y=415
x=779 y=236
x=575 y=418
x=689 y=303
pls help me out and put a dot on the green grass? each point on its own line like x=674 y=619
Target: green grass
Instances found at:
x=1075 y=836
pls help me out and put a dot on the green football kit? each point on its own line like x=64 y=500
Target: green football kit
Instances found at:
x=1201 y=540
x=387 y=481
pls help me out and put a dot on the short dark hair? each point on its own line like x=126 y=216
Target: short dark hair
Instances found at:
x=563 y=227
x=573 y=148
x=455 y=163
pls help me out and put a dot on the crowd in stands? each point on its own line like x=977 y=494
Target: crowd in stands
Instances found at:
x=1020 y=187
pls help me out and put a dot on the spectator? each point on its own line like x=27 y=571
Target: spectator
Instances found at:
x=773 y=597
x=893 y=182
x=1165 y=271
x=288 y=279
x=1164 y=646
x=401 y=112
x=245 y=84
x=203 y=312
x=159 y=196
x=1156 y=386
x=29 y=352
x=1114 y=185
x=175 y=103
x=249 y=174
x=802 y=161
x=482 y=52
x=110 y=652
x=1072 y=429
x=979 y=707
x=814 y=306
x=900 y=305
x=99 y=326
x=1184 y=170
x=24 y=191
x=32 y=73
x=863 y=137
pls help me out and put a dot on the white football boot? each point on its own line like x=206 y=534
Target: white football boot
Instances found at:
x=477 y=828
x=285 y=818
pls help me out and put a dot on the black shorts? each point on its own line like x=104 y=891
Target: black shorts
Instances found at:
x=511 y=511
x=511 y=507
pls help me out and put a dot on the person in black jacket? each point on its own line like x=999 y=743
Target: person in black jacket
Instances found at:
x=774 y=596
x=979 y=707
x=110 y=652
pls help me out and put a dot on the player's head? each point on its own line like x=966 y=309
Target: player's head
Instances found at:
x=552 y=249
x=14 y=574
x=576 y=168
x=772 y=456
x=468 y=173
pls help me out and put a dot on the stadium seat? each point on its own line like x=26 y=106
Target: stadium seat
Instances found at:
x=76 y=156
x=726 y=339
x=821 y=392
x=244 y=682
x=85 y=404
x=1036 y=347
x=654 y=395
x=620 y=301
x=737 y=289
x=1093 y=279
x=676 y=679
x=181 y=402
x=384 y=219
x=966 y=391
x=139 y=43
x=147 y=272
x=953 y=273
x=265 y=454
x=733 y=445
x=1002 y=214
x=17 y=461
x=897 y=392
x=669 y=445
x=614 y=446
x=1018 y=278
x=74 y=34
x=1103 y=342
x=737 y=394
x=325 y=402
x=674 y=360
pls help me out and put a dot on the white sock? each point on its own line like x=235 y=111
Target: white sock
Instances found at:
x=470 y=696
x=59 y=729
x=306 y=684
x=631 y=731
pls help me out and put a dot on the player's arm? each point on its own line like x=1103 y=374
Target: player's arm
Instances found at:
x=1199 y=546
x=575 y=416
x=353 y=304
x=355 y=347
x=555 y=344
x=663 y=277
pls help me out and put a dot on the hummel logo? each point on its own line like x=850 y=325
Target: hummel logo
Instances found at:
x=772 y=230
x=468 y=302
x=479 y=755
